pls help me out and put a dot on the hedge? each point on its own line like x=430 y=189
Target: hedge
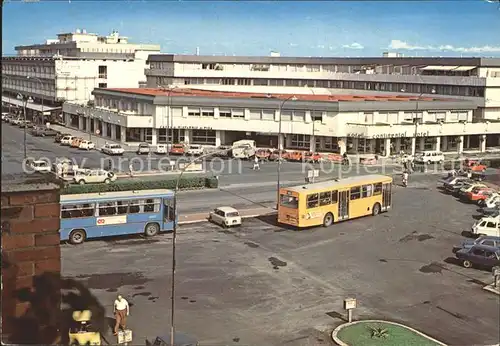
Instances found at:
x=134 y=185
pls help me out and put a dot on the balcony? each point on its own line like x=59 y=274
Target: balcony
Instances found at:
x=158 y=72
x=423 y=130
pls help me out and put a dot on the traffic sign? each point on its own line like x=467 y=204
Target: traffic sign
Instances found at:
x=97 y=132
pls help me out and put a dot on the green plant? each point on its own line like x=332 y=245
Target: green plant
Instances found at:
x=378 y=332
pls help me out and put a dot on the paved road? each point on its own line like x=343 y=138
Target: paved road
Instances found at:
x=265 y=285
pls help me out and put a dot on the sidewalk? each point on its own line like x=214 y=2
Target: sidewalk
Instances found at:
x=98 y=140
x=245 y=214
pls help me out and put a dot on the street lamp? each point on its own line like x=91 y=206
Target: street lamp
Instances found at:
x=170 y=121
x=174 y=231
x=25 y=101
x=41 y=90
x=280 y=146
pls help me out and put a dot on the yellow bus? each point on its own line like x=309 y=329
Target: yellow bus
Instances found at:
x=336 y=200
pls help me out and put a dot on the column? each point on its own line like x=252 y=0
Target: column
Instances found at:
x=438 y=144
x=444 y=140
x=413 y=145
x=104 y=129
x=321 y=143
x=421 y=143
x=460 y=144
x=288 y=141
x=113 y=131
x=81 y=119
x=143 y=134
x=187 y=136
x=355 y=146
x=281 y=142
x=154 y=136
x=482 y=143
x=312 y=143
x=218 y=138
x=397 y=145
x=342 y=143
x=123 y=133
x=387 y=147
x=467 y=142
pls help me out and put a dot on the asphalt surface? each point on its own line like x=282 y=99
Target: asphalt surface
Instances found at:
x=266 y=285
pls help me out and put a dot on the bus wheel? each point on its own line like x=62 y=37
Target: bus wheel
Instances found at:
x=328 y=220
x=376 y=209
x=151 y=229
x=77 y=236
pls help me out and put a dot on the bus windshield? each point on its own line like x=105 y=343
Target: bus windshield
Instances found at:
x=289 y=201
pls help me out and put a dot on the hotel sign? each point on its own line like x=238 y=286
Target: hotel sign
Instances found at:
x=390 y=135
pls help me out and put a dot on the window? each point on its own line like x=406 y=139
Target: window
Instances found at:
x=367 y=191
x=238 y=113
x=300 y=141
x=148 y=135
x=488 y=243
x=299 y=116
x=224 y=113
x=292 y=82
x=80 y=210
x=204 y=137
x=377 y=189
x=103 y=72
x=325 y=198
x=268 y=114
x=260 y=82
x=194 y=112
x=335 y=195
x=312 y=200
x=312 y=68
x=244 y=82
x=286 y=115
x=316 y=116
x=355 y=193
x=103 y=85
x=289 y=201
x=491 y=225
x=255 y=114
x=478 y=252
x=227 y=81
x=207 y=112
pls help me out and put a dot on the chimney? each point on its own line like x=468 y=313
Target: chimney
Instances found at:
x=197 y=50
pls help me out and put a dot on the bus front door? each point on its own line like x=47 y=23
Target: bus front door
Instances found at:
x=168 y=212
x=386 y=197
x=343 y=205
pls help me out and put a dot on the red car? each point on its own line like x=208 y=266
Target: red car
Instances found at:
x=312 y=157
x=479 y=193
x=178 y=149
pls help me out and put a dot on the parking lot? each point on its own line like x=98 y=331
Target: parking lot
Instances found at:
x=262 y=284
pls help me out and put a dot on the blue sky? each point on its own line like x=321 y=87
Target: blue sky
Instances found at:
x=327 y=28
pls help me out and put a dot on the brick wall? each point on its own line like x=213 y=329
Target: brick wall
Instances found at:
x=31 y=259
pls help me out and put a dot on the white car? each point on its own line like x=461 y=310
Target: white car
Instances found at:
x=66 y=140
x=195 y=150
x=113 y=149
x=225 y=216
x=430 y=157
x=40 y=166
x=87 y=145
x=93 y=176
x=161 y=149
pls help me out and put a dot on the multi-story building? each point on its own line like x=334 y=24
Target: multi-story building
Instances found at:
x=367 y=124
x=475 y=79
x=70 y=67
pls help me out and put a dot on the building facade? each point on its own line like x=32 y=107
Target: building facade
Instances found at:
x=367 y=124
x=475 y=79
x=69 y=68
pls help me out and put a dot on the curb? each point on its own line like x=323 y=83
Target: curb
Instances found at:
x=341 y=343
x=206 y=218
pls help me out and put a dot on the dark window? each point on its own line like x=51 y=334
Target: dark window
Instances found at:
x=103 y=72
x=366 y=191
x=377 y=189
x=355 y=193
x=122 y=207
x=335 y=197
x=478 y=252
x=488 y=243
x=325 y=198
x=289 y=201
x=312 y=200
x=103 y=85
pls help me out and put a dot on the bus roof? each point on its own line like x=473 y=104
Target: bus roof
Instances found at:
x=88 y=197
x=336 y=183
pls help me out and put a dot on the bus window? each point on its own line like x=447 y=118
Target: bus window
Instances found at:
x=111 y=209
x=325 y=198
x=289 y=201
x=355 y=193
x=65 y=214
x=87 y=210
x=377 y=189
x=366 y=191
x=312 y=200
x=149 y=206
x=122 y=207
x=134 y=207
x=335 y=197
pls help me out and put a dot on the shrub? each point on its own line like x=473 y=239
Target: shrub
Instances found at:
x=378 y=332
x=187 y=183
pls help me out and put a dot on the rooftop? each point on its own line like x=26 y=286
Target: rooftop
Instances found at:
x=300 y=97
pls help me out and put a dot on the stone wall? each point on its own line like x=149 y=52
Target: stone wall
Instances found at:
x=31 y=259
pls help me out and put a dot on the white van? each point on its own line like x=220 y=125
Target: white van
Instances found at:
x=161 y=149
x=489 y=226
x=430 y=157
x=244 y=149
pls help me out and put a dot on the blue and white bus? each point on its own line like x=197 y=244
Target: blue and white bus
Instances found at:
x=93 y=215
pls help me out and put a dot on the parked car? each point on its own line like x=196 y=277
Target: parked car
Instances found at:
x=86 y=145
x=491 y=211
x=143 y=149
x=491 y=201
x=453 y=180
x=40 y=131
x=60 y=136
x=294 y=156
x=40 y=166
x=454 y=189
x=312 y=157
x=64 y=163
x=75 y=143
x=275 y=155
x=16 y=121
x=67 y=140
x=113 y=149
x=430 y=157
x=478 y=194
x=223 y=151
x=480 y=256
x=94 y=176
x=489 y=226
x=468 y=187
x=195 y=150
x=488 y=241
x=178 y=149
x=161 y=149
x=476 y=166
x=5 y=116
x=225 y=216
x=263 y=154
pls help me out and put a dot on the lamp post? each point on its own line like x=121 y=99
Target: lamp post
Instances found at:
x=41 y=90
x=25 y=101
x=170 y=121
x=174 y=233
x=280 y=146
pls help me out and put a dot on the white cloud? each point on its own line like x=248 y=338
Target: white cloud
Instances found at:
x=402 y=45
x=320 y=46
x=353 y=45
x=293 y=44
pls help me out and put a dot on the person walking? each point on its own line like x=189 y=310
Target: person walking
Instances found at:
x=121 y=311
x=256 y=165
x=131 y=169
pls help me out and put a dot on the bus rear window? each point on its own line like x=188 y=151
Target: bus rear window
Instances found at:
x=289 y=201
